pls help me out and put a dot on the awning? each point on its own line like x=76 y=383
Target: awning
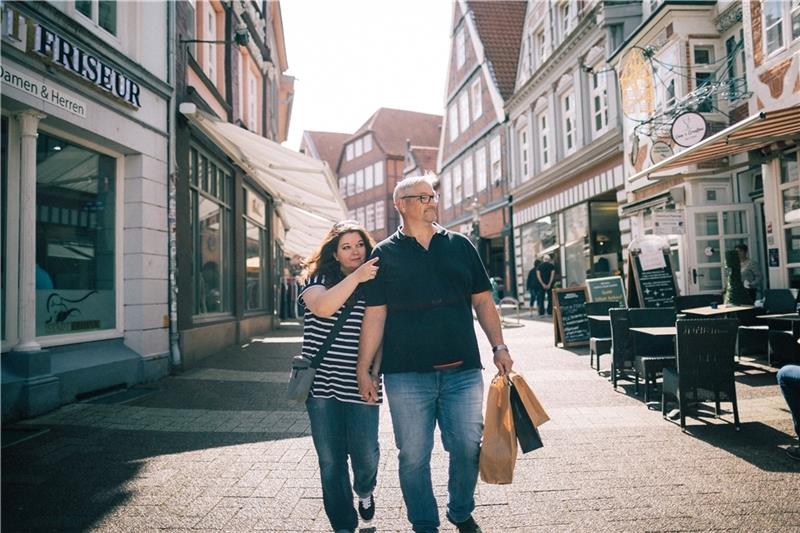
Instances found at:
x=759 y=130
x=305 y=189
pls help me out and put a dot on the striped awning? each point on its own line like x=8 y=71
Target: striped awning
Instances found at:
x=754 y=132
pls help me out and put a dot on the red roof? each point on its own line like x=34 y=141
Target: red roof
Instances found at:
x=500 y=24
x=328 y=145
x=425 y=158
x=392 y=127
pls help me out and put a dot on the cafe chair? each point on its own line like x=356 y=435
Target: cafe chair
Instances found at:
x=705 y=366
x=691 y=301
x=599 y=332
x=782 y=347
x=621 y=346
x=777 y=301
x=755 y=337
x=651 y=354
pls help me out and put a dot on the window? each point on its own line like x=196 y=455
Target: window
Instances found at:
x=378 y=173
x=461 y=47
x=360 y=216
x=252 y=103
x=458 y=185
x=469 y=180
x=343 y=186
x=447 y=190
x=359 y=147
x=705 y=80
x=497 y=163
x=452 y=122
x=240 y=91
x=359 y=181
x=76 y=249
x=544 y=139
x=564 y=19
x=104 y=16
x=210 y=33
x=480 y=168
x=380 y=214
x=735 y=68
x=211 y=194
x=670 y=94
x=463 y=110
x=255 y=260
x=616 y=36
x=530 y=54
x=773 y=23
x=795 y=18
x=522 y=143
x=351 y=184
x=541 y=48
x=568 y=117
x=370 y=214
x=348 y=152
x=369 y=178
x=599 y=96
x=477 y=99
x=367 y=143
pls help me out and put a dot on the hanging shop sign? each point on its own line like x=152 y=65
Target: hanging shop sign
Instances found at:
x=87 y=66
x=39 y=88
x=689 y=129
x=659 y=152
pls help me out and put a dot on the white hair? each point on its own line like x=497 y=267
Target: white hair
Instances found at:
x=411 y=182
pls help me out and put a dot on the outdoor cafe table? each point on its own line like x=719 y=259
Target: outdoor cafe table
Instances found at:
x=789 y=317
x=658 y=331
x=721 y=309
x=599 y=318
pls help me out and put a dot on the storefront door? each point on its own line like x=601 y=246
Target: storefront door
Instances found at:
x=712 y=232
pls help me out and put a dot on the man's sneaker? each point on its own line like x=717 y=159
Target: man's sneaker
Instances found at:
x=467 y=526
x=793 y=452
x=366 y=507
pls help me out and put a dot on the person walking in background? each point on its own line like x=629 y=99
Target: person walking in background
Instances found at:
x=533 y=285
x=419 y=307
x=342 y=423
x=789 y=381
x=751 y=273
x=546 y=274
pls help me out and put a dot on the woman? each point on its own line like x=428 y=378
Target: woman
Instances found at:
x=342 y=423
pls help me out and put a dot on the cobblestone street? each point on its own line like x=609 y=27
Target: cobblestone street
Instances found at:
x=218 y=448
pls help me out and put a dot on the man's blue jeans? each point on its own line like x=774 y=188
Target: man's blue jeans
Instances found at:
x=418 y=401
x=340 y=429
x=789 y=380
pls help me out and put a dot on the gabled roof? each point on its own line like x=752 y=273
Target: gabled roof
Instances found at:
x=392 y=127
x=327 y=146
x=423 y=158
x=499 y=24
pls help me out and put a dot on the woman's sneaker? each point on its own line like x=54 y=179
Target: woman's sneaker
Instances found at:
x=366 y=507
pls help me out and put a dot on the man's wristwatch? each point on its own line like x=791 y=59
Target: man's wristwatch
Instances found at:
x=497 y=347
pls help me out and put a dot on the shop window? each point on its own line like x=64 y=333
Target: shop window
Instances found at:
x=576 y=249
x=212 y=235
x=75 y=238
x=477 y=99
x=256 y=249
x=539 y=238
x=469 y=181
x=480 y=168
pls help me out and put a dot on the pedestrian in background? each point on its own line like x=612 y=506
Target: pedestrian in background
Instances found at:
x=546 y=274
x=751 y=273
x=533 y=285
x=419 y=308
x=342 y=423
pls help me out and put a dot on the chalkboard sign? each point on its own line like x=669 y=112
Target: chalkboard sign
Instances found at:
x=655 y=286
x=569 y=312
x=610 y=289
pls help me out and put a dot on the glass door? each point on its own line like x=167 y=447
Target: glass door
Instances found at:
x=712 y=232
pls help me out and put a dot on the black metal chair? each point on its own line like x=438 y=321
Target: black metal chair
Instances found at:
x=754 y=337
x=651 y=354
x=621 y=346
x=599 y=331
x=782 y=347
x=705 y=366
x=696 y=300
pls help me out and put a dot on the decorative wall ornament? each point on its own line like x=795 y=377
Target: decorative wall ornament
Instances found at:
x=636 y=82
x=728 y=18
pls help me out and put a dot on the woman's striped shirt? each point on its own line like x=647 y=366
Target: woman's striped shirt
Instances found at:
x=336 y=375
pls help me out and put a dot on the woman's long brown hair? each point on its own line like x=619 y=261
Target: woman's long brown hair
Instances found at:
x=322 y=262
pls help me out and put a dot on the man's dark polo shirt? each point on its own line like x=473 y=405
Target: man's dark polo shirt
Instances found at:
x=428 y=294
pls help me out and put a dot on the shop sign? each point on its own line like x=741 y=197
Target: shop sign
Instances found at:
x=659 y=152
x=40 y=89
x=668 y=222
x=85 y=65
x=256 y=208
x=689 y=129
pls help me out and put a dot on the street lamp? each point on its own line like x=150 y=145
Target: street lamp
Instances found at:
x=476 y=221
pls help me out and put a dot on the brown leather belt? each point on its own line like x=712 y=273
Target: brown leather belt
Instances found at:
x=445 y=366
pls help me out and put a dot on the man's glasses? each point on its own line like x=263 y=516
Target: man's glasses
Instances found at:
x=423 y=198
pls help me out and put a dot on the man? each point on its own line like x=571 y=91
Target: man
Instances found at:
x=546 y=274
x=533 y=285
x=419 y=308
x=751 y=273
x=789 y=381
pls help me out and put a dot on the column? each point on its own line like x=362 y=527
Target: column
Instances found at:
x=28 y=122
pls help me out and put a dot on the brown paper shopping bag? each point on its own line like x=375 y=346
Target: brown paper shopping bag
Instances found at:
x=499 y=445
x=529 y=400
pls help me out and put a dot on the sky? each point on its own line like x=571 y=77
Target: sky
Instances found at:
x=350 y=57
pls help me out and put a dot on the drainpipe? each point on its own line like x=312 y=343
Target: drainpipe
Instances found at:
x=172 y=248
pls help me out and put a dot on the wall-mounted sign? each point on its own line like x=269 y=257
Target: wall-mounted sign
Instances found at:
x=773 y=258
x=668 y=222
x=689 y=129
x=40 y=89
x=660 y=151
x=85 y=65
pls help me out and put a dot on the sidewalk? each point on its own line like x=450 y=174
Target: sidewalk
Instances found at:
x=218 y=448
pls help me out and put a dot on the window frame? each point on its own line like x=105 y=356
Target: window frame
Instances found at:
x=264 y=250
x=496 y=159
x=523 y=150
x=598 y=89
x=476 y=93
x=452 y=122
x=463 y=112
x=447 y=196
x=461 y=46
x=458 y=185
x=468 y=183
x=93 y=20
x=480 y=169
x=568 y=125
x=543 y=129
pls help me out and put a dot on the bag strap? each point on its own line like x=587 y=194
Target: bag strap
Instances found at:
x=337 y=327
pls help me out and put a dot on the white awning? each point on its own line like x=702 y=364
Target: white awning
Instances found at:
x=305 y=189
x=759 y=130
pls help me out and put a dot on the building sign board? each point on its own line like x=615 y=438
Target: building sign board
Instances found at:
x=659 y=152
x=689 y=129
x=39 y=88
x=669 y=222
